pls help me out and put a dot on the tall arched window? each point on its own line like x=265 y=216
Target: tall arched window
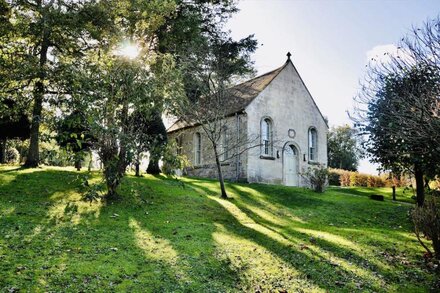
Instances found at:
x=224 y=144
x=266 y=137
x=313 y=144
x=197 y=148
x=179 y=145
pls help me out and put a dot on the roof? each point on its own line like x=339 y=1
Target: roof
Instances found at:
x=239 y=96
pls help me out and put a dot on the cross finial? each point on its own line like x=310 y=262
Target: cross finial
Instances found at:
x=288 y=56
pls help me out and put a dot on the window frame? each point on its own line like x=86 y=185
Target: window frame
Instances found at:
x=266 y=137
x=224 y=144
x=197 y=148
x=312 y=139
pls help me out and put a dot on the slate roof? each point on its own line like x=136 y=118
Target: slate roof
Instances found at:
x=239 y=96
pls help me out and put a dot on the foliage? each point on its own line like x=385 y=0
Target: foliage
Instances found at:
x=317 y=177
x=150 y=135
x=165 y=238
x=12 y=156
x=14 y=122
x=43 y=37
x=73 y=134
x=90 y=191
x=172 y=161
x=401 y=109
x=343 y=148
x=346 y=178
x=52 y=155
x=427 y=224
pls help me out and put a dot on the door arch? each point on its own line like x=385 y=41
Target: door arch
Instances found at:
x=291 y=165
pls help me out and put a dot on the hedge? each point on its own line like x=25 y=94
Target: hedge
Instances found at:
x=341 y=177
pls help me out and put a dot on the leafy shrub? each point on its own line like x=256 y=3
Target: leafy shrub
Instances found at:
x=334 y=178
x=358 y=179
x=345 y=178
x=427 y=223
x=375 y=181
x=350 y=178
x=173 y=161
x=317 y=177
x=90 y=192
x=12 y=156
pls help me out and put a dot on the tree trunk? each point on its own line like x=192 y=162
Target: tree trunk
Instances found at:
x=220 y=173
x=394 y=192
x=115 y=163
x=156 y=129
x=436 y=245
x=33 y=157
x=89 y=168
x=78 y=161
x=136 y=166
x=2 y=151
x=153 y=167
x=420 y=190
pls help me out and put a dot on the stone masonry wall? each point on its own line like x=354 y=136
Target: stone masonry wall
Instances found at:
x=287 y=102
x=233 y=168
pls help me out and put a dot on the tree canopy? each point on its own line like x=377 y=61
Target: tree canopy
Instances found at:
x=343 y=148
x=402 y=106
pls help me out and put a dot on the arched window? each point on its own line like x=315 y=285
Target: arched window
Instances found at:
x=197 y=148
x=224 y=144
x=313 y=144
x=266 y=137
x=178 y=145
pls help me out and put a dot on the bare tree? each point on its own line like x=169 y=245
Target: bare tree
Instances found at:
x=213 y=114
x=399 y=106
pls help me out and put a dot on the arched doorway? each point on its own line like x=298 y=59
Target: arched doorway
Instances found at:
x=291 y=163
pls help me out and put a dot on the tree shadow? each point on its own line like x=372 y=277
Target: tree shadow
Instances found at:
x=162 y=237
x=13 y=168
x=59 y=243
x=344 y=254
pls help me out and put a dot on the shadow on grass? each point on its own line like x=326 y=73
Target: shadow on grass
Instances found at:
x=350 y=255
x=290 y=246
x=12 y=168
x=163 y=237
x=366 y=191
x=56 y=241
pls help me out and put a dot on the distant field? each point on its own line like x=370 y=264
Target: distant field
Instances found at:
x=171 y=236
x=402 y=194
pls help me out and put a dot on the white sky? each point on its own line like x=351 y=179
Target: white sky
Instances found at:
x=330 y=42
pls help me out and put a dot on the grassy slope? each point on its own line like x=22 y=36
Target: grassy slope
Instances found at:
x=402 y=194
x=166 y=237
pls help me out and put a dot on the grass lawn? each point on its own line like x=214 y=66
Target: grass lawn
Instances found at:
x=402 y=194
x=164 y=236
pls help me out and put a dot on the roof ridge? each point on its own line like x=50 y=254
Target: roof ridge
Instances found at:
x=242 y=94
x=262 y=75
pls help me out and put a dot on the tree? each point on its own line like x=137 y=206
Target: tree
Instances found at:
x=157 y=139
x=73 y=134
x=148 y=138
x=343 y=148
x=41 y=36
x=186 y=34
x=123 y=75
x=14 y=123
x=402 y=108
x=206 y=104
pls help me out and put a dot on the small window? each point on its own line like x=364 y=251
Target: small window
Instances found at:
x=178 y=145
x=313 y=144
x=197 y=149
x=266 y=137
x=224 y=144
